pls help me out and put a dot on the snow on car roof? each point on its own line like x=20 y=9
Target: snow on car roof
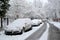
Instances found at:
x=19 y=22
x=36 y=20
x=15 y=24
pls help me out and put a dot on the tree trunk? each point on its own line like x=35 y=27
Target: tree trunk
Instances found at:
x=1 y=23
x=7 y=21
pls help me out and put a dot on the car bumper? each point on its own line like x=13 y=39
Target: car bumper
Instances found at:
x=12 y=32
x=36 y=24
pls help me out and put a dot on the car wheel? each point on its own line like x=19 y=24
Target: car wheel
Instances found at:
x=24 y=29
x=8 y=33
x=40 y=23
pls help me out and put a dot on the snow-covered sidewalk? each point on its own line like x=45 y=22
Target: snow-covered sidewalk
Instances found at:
x=45 y=35
x=54 y=31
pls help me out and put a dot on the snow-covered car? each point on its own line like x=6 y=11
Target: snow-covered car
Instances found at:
x=36 y=22
x=18 y=26
x=28 y=24
x=44 y=20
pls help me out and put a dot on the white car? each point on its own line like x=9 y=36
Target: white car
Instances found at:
x=18 y=26
x=44 y=20
x=36 y=22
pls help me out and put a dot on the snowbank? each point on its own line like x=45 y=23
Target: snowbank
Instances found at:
x=54 y=31
x=56 y=24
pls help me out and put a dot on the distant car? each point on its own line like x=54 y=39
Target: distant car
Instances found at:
x=36 y=22
x=44 y=20
x=18 y=26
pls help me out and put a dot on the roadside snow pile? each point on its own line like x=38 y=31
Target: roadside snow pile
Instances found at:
x=54 y=31
x=57 y=24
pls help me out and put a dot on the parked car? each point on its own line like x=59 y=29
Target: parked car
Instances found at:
x=18 y=26
x=44 y=20
x=36 y=22
x=28 y=24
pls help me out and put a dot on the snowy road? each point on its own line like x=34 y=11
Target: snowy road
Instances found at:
x=18 y=37
x=45 y=35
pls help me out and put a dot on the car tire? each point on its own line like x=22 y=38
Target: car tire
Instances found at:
x=40 y=23
x=7 y=33
x=24 y=29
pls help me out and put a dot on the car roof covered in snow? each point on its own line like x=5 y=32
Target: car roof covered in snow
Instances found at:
x=19 y=22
